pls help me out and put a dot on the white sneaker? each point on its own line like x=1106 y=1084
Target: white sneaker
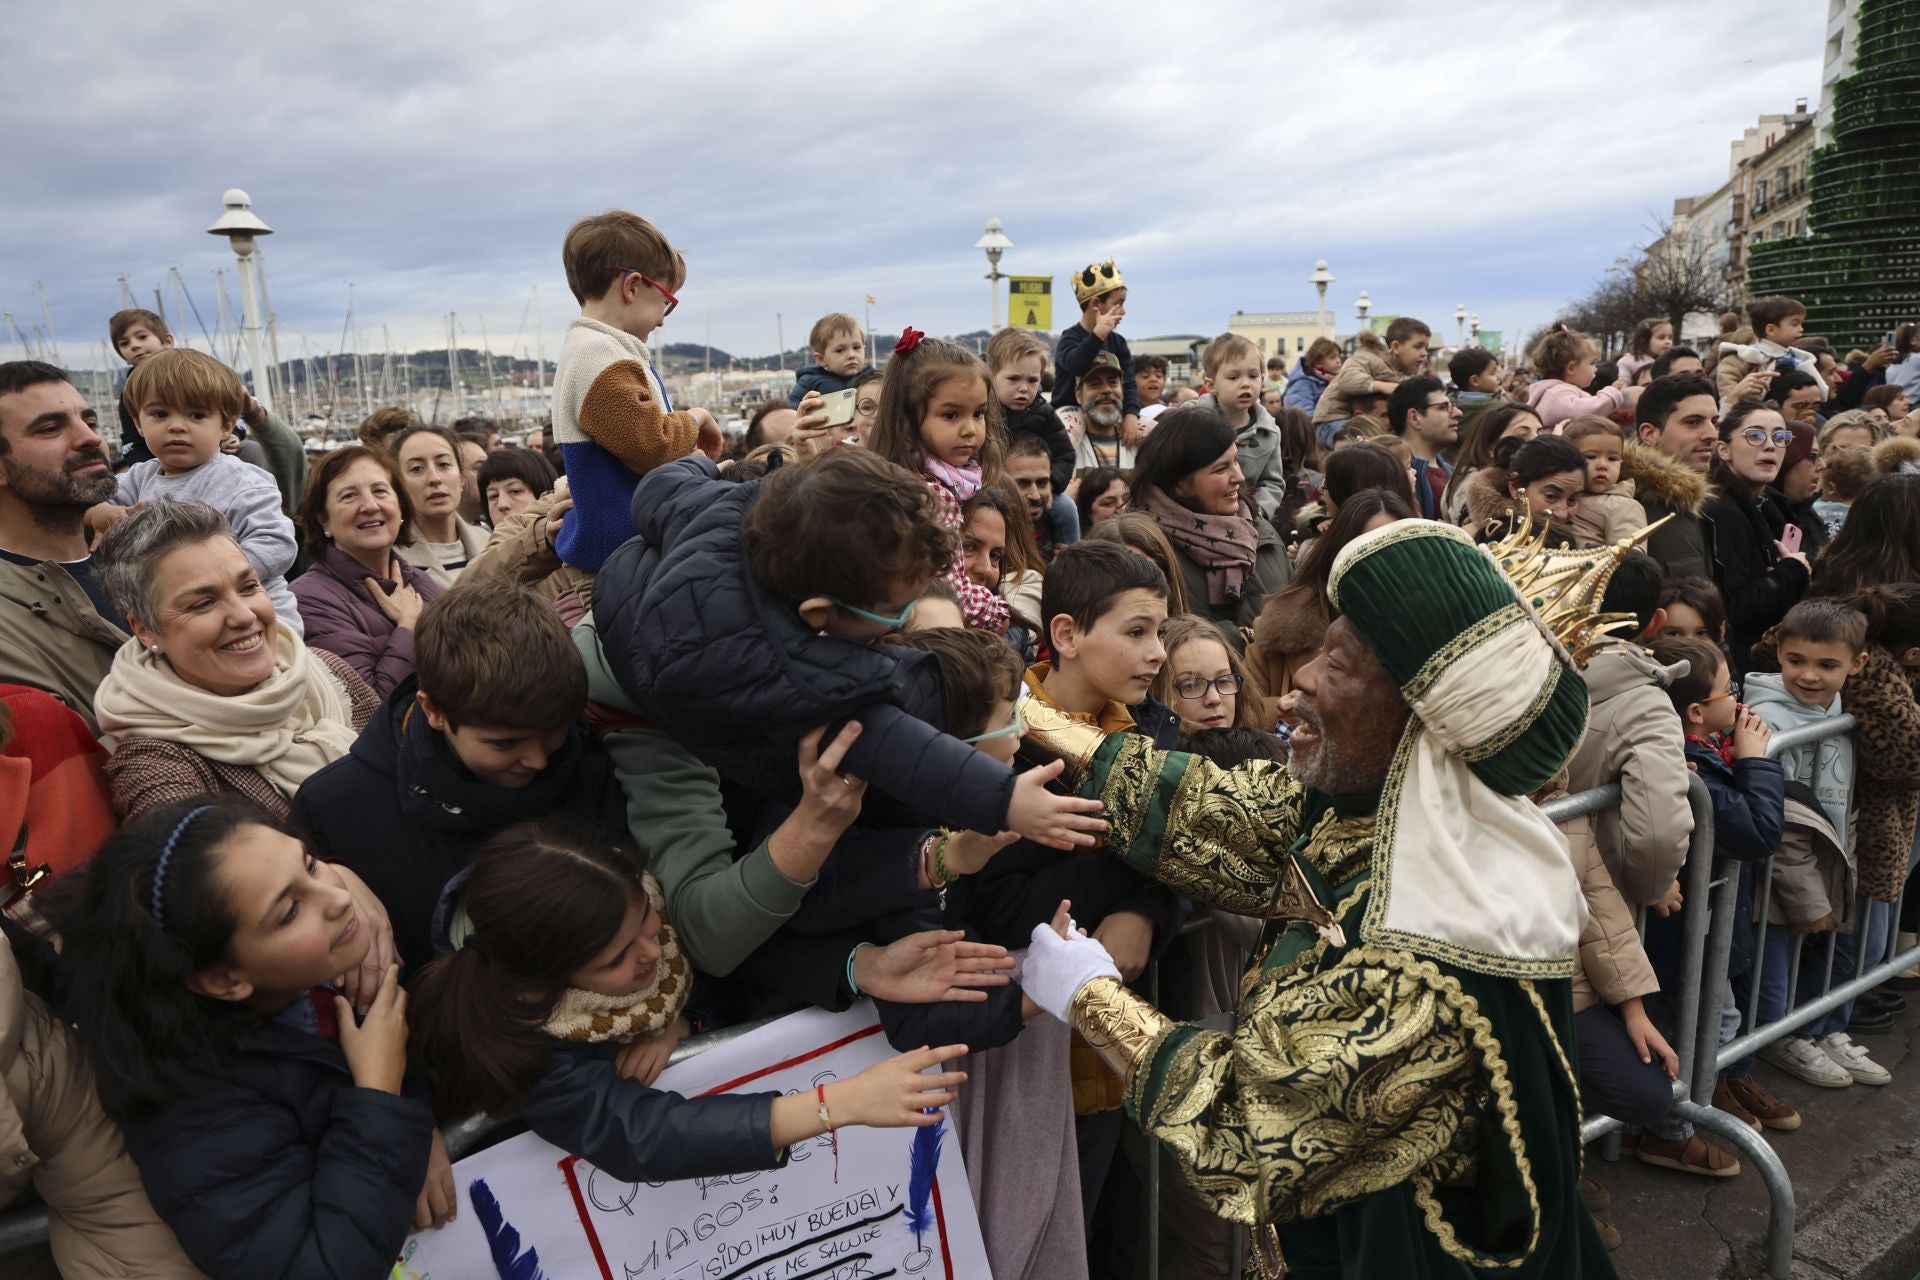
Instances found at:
x=1801 y=1057
x=1853 y=1058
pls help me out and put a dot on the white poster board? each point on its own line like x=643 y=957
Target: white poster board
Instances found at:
x=794 y=1223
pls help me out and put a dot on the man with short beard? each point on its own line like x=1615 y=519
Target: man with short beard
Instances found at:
x=58 y=630
x=1397 y=1096
x=1097 y=423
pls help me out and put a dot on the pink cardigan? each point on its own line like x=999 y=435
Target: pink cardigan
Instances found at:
x=1556 y=401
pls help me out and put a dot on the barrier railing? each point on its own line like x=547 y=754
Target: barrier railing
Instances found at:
x=1706 y=949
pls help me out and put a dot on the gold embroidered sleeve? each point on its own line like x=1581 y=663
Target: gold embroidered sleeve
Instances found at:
x=1220 y=836
x=1119 y=1025
x=1334 y=1086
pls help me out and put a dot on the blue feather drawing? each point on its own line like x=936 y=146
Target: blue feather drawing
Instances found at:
x=502 y=1239
x=923 y=1165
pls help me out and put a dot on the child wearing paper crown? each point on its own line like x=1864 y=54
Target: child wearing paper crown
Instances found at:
x=558 y=971
x=1102 y=294
x=937 y=418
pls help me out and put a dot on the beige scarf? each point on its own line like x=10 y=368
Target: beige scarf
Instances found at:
x=585 y=1016
x=286 y=727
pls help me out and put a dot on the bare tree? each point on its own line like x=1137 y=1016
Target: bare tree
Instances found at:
x=1673 y=274
x=1678 y=273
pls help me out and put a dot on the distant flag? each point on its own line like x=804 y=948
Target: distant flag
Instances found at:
x=872 y=301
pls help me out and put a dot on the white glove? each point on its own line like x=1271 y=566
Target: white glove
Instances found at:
x=1056 y=968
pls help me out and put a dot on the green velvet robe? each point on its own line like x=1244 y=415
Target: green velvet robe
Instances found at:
x=1388 y=1116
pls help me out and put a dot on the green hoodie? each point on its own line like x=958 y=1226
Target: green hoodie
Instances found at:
x=721 y=906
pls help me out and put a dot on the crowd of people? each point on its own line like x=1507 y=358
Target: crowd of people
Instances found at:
x=351 y=796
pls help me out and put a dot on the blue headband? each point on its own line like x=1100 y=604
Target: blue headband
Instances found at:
x=156 y=905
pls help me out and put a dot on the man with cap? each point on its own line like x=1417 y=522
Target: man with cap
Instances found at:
x=1398 y=1097
x=1098 y=425
x=1102 y=294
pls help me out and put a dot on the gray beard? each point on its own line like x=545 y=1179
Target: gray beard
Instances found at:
x=1107 y=417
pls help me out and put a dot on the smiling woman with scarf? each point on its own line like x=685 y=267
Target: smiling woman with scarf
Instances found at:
x=1760 y=578
x=212 y=696
x=1188 y=479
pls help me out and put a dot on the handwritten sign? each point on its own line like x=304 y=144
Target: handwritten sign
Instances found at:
x=805 y=1221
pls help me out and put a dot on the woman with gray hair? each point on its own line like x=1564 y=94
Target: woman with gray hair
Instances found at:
x=212 y=696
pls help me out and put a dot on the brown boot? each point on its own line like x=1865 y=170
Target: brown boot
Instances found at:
x=1688 y=1155
x=1596 y=1196
x=1763 y=1106
x=1608 y=1236
x=1725 y=1099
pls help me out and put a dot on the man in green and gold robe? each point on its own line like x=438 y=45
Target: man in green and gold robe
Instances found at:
x=1398 y=1099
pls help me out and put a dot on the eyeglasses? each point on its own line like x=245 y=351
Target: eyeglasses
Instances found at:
x=672 y=301
x=1194 y=688
x=1014 y=730
x=891 y=624
x=1757 y=436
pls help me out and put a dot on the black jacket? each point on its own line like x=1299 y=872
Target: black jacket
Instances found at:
x=282 y=1167
x=868 y=891
x=1042 y=420
x=1073 y=353
x=638 y=1134
x=582 y=1105
x=1025 y=882
x=711 y=656
x=1759 y=584
x=402 y=812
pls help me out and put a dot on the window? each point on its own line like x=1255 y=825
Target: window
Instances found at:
x=1263 y=348
x=1299 y=344
x=1779 y=229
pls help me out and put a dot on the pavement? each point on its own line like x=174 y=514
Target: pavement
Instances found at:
x=1855 y=1165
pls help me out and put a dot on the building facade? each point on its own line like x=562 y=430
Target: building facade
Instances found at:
x=1859 y=271
x=1279 y=333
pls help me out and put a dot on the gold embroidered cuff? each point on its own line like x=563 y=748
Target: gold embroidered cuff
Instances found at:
x=1052 y=735
x=1119 y=1025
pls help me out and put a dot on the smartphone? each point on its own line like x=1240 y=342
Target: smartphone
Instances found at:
x=1791 y=538
x=839 y=406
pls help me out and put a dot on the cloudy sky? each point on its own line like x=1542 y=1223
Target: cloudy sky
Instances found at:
x=805 y=155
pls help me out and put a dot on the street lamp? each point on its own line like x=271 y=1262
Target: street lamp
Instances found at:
x=1460 y=323
x=995 y=242
x=1362 y=305
x=240 y=224
x=1320 y=279
x=1473 y=327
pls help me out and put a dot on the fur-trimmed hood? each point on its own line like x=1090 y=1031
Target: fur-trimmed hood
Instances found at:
x=1897 y=453
x=1674 y=485
x=1291 y=623
x=1370 y=340
x=1487 y=499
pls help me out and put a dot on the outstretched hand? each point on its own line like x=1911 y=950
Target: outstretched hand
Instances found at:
x=930 y=967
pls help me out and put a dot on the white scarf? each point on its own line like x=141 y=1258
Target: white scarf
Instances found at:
x=286 y=727
x=1462 y=873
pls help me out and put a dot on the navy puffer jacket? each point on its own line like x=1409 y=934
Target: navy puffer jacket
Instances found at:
x=282 y=1167
x=710 y=656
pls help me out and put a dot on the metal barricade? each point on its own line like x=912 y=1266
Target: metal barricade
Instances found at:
x=1869 y=972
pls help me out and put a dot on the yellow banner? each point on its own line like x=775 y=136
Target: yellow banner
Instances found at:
x=1030 y=302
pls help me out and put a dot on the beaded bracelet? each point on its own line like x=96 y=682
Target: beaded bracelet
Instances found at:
x=940 y=857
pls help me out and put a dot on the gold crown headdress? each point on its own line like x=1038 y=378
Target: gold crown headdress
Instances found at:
x=1563 y=589
x=1095 y=279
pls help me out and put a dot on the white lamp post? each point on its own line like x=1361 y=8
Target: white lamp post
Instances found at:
x=1320 y=279
x=1473 y=327
x=1460 y=323
x=1362 y=305
x=239 y=224
x=995 y=242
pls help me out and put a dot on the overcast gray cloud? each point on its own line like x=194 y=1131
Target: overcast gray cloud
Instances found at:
x=804 y=156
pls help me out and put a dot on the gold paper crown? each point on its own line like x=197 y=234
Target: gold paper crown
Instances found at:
x=1563 y=589
x=1095 y=279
